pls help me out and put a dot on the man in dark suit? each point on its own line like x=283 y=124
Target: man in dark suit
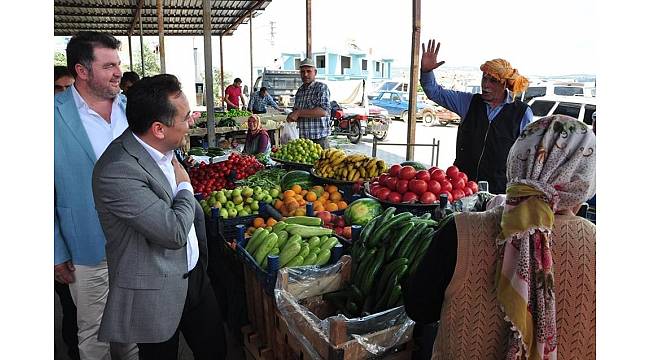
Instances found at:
x=156 y=243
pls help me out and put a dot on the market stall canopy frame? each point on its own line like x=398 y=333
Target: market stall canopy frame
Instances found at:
x=181 y=17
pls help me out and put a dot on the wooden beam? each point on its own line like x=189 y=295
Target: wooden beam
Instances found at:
x=257 y=5
x=189 y=21
x=148 y=7
x=130 y=55
x=413 y=83
x=142 y=48
x=308 y=27
x=223 y=85
x=250 y=44
x=207 y=55
x=161 y=36
x=136 y=16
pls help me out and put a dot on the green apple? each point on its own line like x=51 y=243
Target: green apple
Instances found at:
x=230 y=205
x=247 y=208
x=223 y=213
x=212 y=202
x=232 y=213
x=239 y=207
x=258 y=189
x=242 y=212
x=249 y=200
x=236 y=192
x=274 y=193
x=237 y=199
x=222 y=199
x=246 y=191
x=229 y=194
x=203 y=203
x=259 y=196
x=217 y=205
x=268 y=199
x=255 y=205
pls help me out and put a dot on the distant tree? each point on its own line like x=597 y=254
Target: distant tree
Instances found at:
x=59 y=59
x=216 y=87
x=151 y=62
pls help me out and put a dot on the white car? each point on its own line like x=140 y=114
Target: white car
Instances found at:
x=581 y=108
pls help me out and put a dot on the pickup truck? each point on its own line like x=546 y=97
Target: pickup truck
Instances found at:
x=397 y=103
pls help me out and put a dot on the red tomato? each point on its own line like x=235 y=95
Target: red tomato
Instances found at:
x=432 y=169
x=374 y=189
x=463 y=176
x=468 y=191
x=391 y=183
x=458 y=183
x=382 y=179
x=434 y=187
x=394 y=197
x=402 y=186
x=445 y=186
x=472 y=185
x=458 y=193
x=423 y=175
x=409 y=197
x=407 y=173
x=452 y=171
x=382 y=193
x=438 y=175
x=394 y=170
x=418 y=186
x=428 y=198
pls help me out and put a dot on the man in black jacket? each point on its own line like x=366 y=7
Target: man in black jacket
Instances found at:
x=491 y=120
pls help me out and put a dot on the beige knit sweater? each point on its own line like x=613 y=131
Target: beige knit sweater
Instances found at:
x=472 y=325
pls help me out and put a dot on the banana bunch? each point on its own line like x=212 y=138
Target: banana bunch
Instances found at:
x=335 y=164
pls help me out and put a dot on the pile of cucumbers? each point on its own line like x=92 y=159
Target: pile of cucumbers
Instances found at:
x=297 y=240
x=389 y=248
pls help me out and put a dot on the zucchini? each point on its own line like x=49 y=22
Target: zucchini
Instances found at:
x=304 y=220
x=323 y=257
x=329 y=244
x=307 y=231
x=280 y=225
x=265 y=248
x=254 y=242
x=313 y=242
x=304 y=250
x=381 y=231
x=292 y=238
x=274 y=251
x=310 y=259
x=296 y=261
x=289 y=252
x=283 y=236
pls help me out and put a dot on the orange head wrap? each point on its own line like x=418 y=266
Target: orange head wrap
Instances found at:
x=502 y=70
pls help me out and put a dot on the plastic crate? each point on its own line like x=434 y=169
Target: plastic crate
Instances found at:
x=228 y=227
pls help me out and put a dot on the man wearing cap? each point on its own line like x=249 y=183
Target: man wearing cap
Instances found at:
x=491 y=121
x=312 y=106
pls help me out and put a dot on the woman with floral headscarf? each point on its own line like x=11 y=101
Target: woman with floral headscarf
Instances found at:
x=257 y=139
x=518 y=281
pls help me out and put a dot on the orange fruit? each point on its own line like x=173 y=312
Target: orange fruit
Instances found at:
x=271 y=222
x=303 y=192
x=258 y=222
x=342 y=205
x=302 y=202
x=335 y=196
x=289 y=193
x=311 y=196
x=300 y=212
x=278 y=204
x=318 y=206
x=291 y=213
x=292 y=206
x=296 y=188
x=325 y=196
x=298 y=197
x=332 y=189
x=331 y=207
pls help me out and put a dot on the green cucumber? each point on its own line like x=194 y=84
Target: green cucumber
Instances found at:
x=356 y=294
x=296 y=261
x=425 y=216
x=279 y=226
x=388 y=271
x=369 y=277
x=256 y=240
x=381 y=231
x=323 y=257
x=373 y=224
x=398 y=239
x=303 y=220
x=411 y=240
x=307 y=231
x=283 y=236
x=422 y=245
x=323 y=238
x=263 y=250
x=313 y=242
x=367 y=258
x=292 y=238
x=289 y=252
x=390 y=286
x=329 y=243
x=316 y=250
x=394 y=296
x=304 y=250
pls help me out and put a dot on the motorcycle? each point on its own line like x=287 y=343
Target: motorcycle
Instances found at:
x=354 y=123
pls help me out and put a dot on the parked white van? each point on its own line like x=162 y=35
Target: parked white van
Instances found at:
x=557 y=88
x=579 y=107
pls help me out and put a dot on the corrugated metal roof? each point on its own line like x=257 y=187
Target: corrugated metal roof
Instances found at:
x=180 y=17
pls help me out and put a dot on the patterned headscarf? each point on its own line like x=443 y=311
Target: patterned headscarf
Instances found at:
x=551 y=167
x=502 y=70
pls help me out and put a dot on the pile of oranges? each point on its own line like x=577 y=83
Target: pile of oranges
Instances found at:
x=293 y=202
x=259 y=222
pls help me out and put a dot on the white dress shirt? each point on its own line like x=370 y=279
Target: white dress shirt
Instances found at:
x=164 y=162
x=100 y=133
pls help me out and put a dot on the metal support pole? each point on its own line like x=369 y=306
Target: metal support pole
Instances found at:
x=374 y=146
x=433 y=151
x=161 y=36
x=130 y=55
x=223 y=86
x=308 y=35
x=141 y=47
x=250 y=27
x=207 y=53
x=415 y=71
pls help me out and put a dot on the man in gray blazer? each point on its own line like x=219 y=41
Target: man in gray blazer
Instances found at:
x=156 y=244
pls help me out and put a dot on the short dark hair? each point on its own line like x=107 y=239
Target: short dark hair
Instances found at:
x=237 y=80
x=129 y=76
x=263 y=89
x=81 y=47
x=148 y=101
x=61 y=71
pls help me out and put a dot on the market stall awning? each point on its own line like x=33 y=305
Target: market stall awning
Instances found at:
x=121 y=17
